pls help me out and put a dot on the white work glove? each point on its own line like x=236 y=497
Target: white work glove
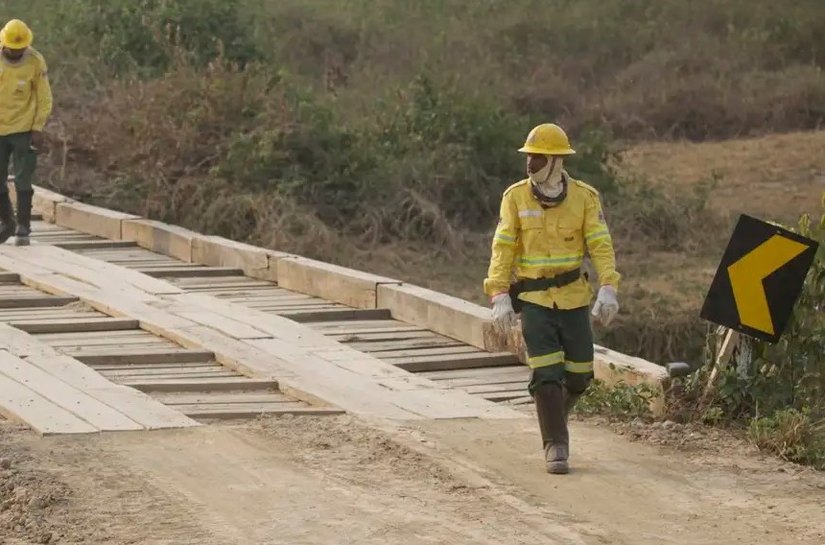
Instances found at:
x=504 y=316
x=607 y=306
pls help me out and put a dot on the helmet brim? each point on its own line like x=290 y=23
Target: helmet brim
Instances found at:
x=544 y=151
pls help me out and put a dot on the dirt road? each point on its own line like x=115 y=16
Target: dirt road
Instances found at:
x=333 y=480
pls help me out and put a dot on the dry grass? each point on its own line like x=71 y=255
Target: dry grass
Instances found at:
x=776 y=177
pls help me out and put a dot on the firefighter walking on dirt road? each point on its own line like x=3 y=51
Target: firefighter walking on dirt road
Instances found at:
x=546 y=224
x=25 y=106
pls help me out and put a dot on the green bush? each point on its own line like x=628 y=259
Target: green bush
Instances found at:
x=619 y=401
x=791 y=434
x=146 y=37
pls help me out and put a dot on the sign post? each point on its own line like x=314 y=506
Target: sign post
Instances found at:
x=755 y=288
x=759 y=279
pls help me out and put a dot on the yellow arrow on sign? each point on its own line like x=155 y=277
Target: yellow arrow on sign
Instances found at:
x=747 y=274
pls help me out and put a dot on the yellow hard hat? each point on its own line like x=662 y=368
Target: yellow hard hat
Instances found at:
x=547 y=139
x=16 y=35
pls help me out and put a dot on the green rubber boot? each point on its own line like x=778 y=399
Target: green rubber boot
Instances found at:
x=552 y=416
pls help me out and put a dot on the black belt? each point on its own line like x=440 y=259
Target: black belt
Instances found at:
x=541 y=284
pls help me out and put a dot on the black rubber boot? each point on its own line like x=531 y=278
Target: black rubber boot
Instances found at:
x=6 y=217
x=569 y=402
x=552 y=416
x=24 y=216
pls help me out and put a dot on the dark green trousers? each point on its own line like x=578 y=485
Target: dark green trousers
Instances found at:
x=16 y=149
x=559 y=346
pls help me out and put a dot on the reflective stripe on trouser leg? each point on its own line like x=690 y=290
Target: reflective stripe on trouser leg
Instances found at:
x=578 y=367
x=577 y=376
x=544 y=351
x=554 y=358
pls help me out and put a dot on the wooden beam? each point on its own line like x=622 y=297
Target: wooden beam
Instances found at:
x=306 y=316
x=202 y=385
x=190 y=272
x=239 y=411
x=38 y=301
x=94 y=244
x=453 y=361
x=182 y=355
x=71 y=325
x=9 y=277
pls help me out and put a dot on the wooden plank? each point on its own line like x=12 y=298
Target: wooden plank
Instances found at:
x=61 y=313
x=38 y=301
x=233 y=328
x=524 y=400
x=377 y=347
x=21 y=403
x=9 y=277
x=91 y=335
x=91 y=219
x=192 y=398
x=156 y=371
x=340 y=284
x=136 y=405
x=161 y=237
x=165 y=356
x=264 y=297
x=228 y=414
x=343 y=314
x=438 y=351
x=476 y=372
x=366 y=330
x=245 y=407
x=254 y=261
x=518 y=386
x=280 y=308
x=203 y=385
x=422 y=336
x=96 y=272
x=77 y=402
x=131 y=344
x=103 y=368
x=231 y=281
x=91 y=244
x=120 y=376
x=192 y=271
x=72 y=325
x=44 y=202
x=503 y=396
x=365 y=324
x=220 y=291
x=447 y=315
x=454 y=361
x=521 y=377
x=143 y=349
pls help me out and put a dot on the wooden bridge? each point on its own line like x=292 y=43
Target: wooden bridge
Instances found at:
x=115 y=322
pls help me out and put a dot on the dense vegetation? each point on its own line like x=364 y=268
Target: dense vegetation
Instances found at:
x=380 y=133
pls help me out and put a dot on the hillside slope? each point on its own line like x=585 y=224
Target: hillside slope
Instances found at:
x=775 y=177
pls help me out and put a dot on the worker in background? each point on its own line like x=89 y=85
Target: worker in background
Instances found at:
x=25 y=106
x=547 y=222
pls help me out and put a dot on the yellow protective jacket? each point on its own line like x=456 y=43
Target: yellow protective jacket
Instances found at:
x=25 y=94
x=532 y=242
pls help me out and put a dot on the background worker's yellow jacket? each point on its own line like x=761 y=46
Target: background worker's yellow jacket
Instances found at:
x=533 y=242
x=25 y=94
